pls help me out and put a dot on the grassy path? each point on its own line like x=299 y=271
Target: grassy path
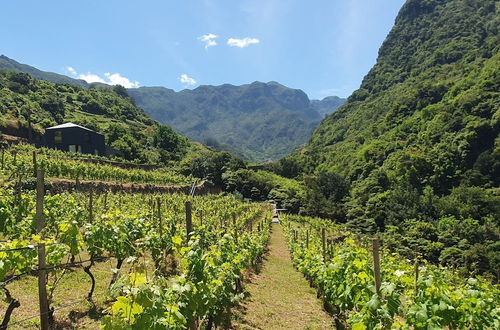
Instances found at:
x=279 y=296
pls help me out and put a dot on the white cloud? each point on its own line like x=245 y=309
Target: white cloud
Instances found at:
x=118 y=79
x=71 y=70
x=186 y=80
x=110 y=78
x=208 y=39
x=242 y=43
x=90 y=78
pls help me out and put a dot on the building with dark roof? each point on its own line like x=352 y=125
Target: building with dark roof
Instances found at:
x=74 y=138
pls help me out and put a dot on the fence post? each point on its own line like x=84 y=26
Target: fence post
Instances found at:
x=91 y=206
x=152 y=207
x=189 y=223
x=376 y=263
x=34 y=164
x=323 y=242
x=307 y=238
x=160 y=224
x=416 y=275
x=42 y=273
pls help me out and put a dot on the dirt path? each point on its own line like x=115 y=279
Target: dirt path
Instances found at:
x=279 y=296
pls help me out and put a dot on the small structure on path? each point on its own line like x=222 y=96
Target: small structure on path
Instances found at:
x=74 y=138
x=276 y=218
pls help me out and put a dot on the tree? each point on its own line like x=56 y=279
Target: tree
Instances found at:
x=93 y=106
x=55 y=106
x=165 y=138
x=120 y=91
x=114 y=132
x=130 y=148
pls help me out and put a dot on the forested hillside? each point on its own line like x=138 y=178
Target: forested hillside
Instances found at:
x=258 y=121
x=107 y=110
x=8 y=64
x=327 y=105
x=415 y=151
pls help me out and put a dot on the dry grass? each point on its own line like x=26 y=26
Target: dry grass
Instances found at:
x=279 y=297
x=72 y=311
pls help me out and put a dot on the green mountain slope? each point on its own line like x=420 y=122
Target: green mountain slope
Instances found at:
x=258 y=121
x=9 y=64
x=327 y=105
x=418 y=143
x=107 y=110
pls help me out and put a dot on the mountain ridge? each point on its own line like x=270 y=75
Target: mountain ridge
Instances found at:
x=7 y=64
x=256 y=121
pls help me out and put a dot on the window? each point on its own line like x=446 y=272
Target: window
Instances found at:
x=75 y=148
x=58 y=137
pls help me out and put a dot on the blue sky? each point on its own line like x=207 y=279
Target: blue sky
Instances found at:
x=322 y=47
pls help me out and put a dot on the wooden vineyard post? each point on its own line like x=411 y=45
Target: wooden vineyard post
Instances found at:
x=307 y=238
x=91 y=206
x=42 y=273
x=323 y=242
x=34 y=164
x=416 y=275
x=77 y=183
x=152 y=208
x=160 y=225
x=3 y=158
x=106 y=200
x=376 y=264
x=189 y=223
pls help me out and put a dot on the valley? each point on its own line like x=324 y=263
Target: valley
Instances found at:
x=252 y=206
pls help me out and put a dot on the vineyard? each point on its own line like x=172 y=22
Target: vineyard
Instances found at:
x=121 y=260
x=365 y=287
x=22 y=162
x=176 y=261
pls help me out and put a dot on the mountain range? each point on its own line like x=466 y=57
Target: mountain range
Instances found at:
x=257 y=122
